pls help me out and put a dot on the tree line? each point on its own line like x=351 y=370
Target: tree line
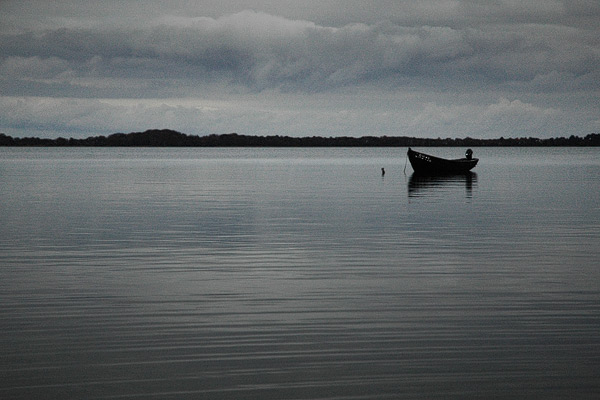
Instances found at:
x=170 y=138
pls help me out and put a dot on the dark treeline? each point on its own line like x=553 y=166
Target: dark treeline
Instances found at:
x=169 y=138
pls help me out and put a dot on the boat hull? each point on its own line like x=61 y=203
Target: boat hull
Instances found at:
x=427 y=164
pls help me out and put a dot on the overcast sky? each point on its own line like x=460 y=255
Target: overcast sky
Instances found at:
x=443 y=68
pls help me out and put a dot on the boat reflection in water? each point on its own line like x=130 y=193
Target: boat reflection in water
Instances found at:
x=423 y=185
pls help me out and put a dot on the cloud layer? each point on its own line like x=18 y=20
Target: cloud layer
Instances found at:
x=262 y=51
x=248 y=65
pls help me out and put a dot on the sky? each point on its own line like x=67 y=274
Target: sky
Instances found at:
x=440 y=68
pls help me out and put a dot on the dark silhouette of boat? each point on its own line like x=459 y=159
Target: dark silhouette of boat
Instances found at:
x=430 y=165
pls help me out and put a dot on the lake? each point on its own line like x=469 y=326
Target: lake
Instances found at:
x=296 y=273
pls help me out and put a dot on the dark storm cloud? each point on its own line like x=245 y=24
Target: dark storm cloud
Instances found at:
x=387 y=67
x=263 y=51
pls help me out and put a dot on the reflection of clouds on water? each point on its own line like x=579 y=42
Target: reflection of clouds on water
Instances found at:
x=159 y=263
x=439 y=185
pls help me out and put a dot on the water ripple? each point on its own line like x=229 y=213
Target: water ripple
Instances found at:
x=201 y=275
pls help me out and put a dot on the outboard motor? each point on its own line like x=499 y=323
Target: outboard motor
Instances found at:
x=469 y=154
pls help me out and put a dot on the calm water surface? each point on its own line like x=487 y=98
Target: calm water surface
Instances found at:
x=298 y=274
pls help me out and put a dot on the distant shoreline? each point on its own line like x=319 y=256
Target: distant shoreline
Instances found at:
x=170 y=138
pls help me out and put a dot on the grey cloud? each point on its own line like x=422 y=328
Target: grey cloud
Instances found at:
x=263 y=51
x=441 y=67
x=292 y=114
x=34 y=67
x=336 y=13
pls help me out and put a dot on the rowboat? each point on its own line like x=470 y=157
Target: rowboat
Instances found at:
x=427 y=164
